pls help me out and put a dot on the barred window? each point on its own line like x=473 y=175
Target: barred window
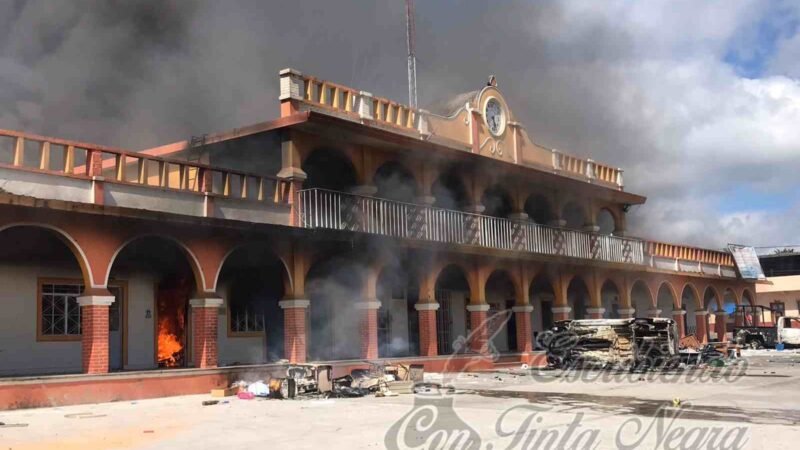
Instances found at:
x=61 y=314
x=246 y=318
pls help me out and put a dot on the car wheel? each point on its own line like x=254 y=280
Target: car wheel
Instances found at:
x=755 y=344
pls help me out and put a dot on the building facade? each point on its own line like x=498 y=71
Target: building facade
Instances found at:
x=781 y=291
x=350 y=228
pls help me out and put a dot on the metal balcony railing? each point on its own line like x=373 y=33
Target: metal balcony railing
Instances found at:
x=320 y=208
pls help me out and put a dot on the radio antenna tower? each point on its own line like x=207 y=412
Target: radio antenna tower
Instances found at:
x=412 y=57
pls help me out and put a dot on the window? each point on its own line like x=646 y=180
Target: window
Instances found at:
x=60 y=314
x=246 y=317
x=779 y=308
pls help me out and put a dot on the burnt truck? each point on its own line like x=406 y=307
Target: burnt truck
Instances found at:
x=612 y=343
x=753 y=331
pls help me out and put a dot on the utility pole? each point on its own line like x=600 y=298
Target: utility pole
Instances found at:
x=412 y=57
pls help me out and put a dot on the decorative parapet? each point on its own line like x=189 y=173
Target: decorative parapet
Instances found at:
x=101 y=164
x=306 y=92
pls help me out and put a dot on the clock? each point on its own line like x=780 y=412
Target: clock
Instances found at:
x=495 y=117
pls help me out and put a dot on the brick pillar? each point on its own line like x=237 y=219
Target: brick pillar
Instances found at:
x=294 y=330
x=680 y=322
x=205 y=312
x=720 y=325
x=369 y=328
x=524 y=331
x=701 y=328
x=626 y=313
x=428 y=340
x=94 y=332
x=654 y=313
x=561 y=313
x=595 y=313
x=479 y=333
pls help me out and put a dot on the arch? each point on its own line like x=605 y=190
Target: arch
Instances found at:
x=641 y=298
x=72 y=245
x=452 y=290
x=539 y=209
x=450 y=191
x=253 y=279
x=334 y=283
x=168 y=264
x=397 y=288
x=667 y=299
x=328 y=168
x=395 y=181
x=610 y=299
x=691 y=289
x=729 y=301
x=606 y=221
x=288 y=283
x=712 y=293
x=502 y=294
x=574 y=214
x=194 y=262
x=748 y=296
x=578 y=297
x=542 y=296
x=450 y=266
x=497 y=200
x=691 y=302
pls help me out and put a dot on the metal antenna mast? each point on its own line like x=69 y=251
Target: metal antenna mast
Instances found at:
x=412 y=57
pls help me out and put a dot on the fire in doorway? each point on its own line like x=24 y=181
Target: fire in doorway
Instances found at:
x=171 y=327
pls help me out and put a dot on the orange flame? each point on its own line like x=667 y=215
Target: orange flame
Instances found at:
x=169 y=346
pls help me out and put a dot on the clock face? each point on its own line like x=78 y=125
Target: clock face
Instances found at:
x=495 y=117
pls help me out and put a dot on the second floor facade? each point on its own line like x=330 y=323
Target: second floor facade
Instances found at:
x=344 y=160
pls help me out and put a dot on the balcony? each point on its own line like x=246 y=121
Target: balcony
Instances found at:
x=319 y=208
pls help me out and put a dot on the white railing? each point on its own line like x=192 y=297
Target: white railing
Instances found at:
x=320 y=208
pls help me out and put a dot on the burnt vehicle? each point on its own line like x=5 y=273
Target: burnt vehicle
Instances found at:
x=756 y=332
x=612 y=343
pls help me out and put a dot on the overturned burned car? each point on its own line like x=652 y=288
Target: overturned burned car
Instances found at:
x=612 y=343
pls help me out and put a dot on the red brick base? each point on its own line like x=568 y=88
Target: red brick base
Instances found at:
x=204 y=337
x=524 y=332
x=480 y=331
x=369 y=333
x=94 y=339
x=701 y=331
x=428 y=342
x=294 y=334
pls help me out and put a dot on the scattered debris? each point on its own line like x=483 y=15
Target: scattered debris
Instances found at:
x=226 y=392
x=13 y=425
x=245 y=395
x=83 y=415
x=210 y=402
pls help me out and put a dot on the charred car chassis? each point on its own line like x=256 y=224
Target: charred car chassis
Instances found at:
x=612 y=343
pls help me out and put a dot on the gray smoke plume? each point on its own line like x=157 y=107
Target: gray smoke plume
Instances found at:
x=691 y=99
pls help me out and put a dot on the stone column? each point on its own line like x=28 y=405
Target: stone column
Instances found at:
x=94 y=332
x=294 y=329
x=720 y=325
x=368 y=323
x=522 y=314
x=428 y=340
x=595 y=313
x=677 y=316
x=479 y=333
x=561 y=312
x=205 y=313
x=701 y=326
x=626 y=313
